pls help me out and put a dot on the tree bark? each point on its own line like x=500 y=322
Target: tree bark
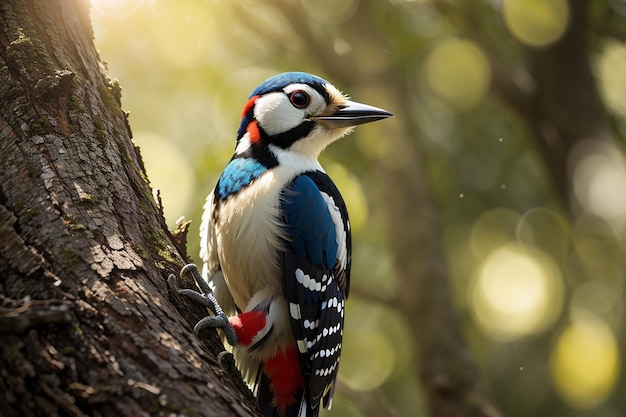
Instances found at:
x=88 y=325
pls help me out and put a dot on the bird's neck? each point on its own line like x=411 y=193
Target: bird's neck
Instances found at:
x=272 y=156
x=296 y=162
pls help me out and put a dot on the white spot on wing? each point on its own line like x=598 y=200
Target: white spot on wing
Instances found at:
x=303 y=408
x=302 y=346
x=294 y=310
x=335 y=214
x=243 y=145
x=299 y=275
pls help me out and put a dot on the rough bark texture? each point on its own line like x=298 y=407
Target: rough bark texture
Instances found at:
x=87 y=323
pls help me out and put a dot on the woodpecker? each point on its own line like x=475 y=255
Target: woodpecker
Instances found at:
x=276 y=244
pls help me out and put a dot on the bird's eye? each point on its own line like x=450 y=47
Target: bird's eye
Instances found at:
x=299 y=99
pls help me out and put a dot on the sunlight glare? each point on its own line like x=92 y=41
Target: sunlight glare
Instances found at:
x=188 y=41
x=116 y=8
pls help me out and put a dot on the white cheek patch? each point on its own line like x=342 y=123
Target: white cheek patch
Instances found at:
x=243 y=145
x=275 y=113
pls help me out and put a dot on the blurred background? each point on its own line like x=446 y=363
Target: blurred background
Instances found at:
x=490 y=210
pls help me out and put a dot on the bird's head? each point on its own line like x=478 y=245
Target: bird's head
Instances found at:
x=300 y=113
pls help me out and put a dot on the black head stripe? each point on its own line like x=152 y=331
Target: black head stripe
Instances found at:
x=321 y=88
x=286 y=139
x=260 y=154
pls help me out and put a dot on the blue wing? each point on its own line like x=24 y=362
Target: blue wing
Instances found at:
x=239 y=173
x=316 y=276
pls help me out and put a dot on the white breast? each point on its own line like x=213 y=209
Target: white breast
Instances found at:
x=248 y=233
x=248 y=241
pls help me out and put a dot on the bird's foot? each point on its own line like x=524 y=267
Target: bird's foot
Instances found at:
x=207 y=299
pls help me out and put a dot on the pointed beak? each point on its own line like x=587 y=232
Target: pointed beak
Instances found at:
x=352 y=114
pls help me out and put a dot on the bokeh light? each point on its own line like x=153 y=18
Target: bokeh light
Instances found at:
x=585 y=362
x=517 y=291
x=365 y=375
x=493 y=229
x=458 y=72
x=599 y=176
x=546 y=229
x=536 y=22
x=611 y=69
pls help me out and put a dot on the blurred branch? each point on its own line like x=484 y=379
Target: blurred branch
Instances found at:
x=553 y=91
x=375 y=297
x=445 y=367
x=375 y=402
x=607 y=31
x=568 y=108
x=249 y=18
x=505 y=85
x=512 y=83
x=319 y=47
x=605 y=25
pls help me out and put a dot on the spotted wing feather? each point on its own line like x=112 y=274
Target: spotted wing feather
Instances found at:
x=316 y=276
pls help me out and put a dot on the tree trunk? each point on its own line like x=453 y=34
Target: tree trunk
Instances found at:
x=570 y=119
x=87 y=323
x=563 y=110
x=450 y=379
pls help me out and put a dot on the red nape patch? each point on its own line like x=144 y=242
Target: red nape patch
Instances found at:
x=253 y=132
x=247 y=325
x=285 y=376
x=248 y=106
